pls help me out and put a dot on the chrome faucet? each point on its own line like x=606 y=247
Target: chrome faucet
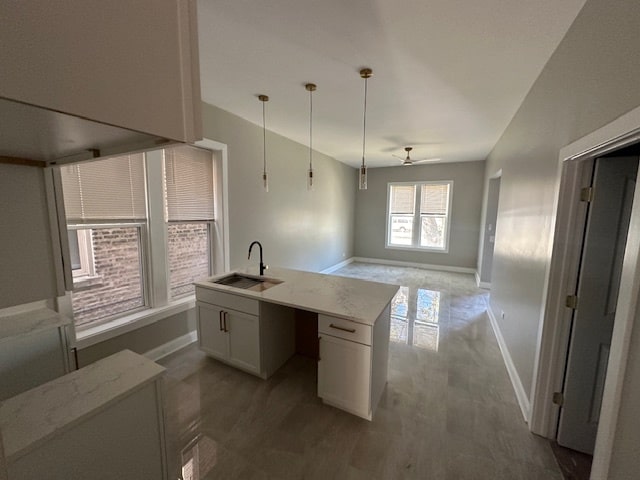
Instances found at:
x=262 y=265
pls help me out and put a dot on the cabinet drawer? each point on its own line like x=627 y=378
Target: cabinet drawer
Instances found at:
x=339 y=327
x=228 y=300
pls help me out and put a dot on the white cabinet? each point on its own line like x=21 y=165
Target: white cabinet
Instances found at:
x=353 y=363
x=133 y=65
x=230 y=336
x=101 y=422
x=250 y=335
x=344 y=371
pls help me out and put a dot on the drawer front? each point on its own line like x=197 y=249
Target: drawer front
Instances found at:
x=339 y=327
x=228 y=300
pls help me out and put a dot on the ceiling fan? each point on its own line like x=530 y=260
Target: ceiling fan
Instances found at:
x=408 y=161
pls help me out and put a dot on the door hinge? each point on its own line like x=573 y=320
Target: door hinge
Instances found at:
x=571 y=301
x=586 y=194
x=558 y=398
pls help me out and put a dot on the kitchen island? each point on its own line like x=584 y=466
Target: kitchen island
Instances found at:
x=254 y=330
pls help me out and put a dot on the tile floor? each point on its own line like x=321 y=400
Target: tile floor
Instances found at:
x=449 y=411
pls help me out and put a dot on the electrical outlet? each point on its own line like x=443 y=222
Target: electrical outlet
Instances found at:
x=502 y=314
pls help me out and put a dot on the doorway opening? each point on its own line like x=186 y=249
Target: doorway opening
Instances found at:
x=493 y=197
x=576 y=167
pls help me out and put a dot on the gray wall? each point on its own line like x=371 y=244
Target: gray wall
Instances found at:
x=591 y=79
x=371 y=208
x=297 y=228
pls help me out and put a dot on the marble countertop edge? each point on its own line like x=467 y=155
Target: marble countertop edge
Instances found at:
x=27 y=420
x=30 y=322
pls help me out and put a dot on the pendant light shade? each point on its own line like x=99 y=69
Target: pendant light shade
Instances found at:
x=365 y=73
x=310 y=87
x=265 y=178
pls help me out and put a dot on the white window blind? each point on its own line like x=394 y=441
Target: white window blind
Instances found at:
x=434 y=199
x=189 y=184
x=402 y=199
x=110 y=189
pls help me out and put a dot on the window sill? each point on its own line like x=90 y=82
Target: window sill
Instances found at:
x=82 y=283
x=119 y=326
x=417 y=249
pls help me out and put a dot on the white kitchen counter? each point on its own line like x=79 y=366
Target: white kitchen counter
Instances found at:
x=350 y=298
x=30 y=322
x=31 y=418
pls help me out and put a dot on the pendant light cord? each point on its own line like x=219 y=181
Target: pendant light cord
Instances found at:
x=310 y=129
x=264 y=143
x=364 y=120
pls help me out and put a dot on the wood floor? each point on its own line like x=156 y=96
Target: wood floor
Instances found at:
x=448 y=412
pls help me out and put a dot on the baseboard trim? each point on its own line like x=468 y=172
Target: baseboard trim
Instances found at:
x=171 y=346
x=523 y=400
x=480 y=284
x=425 y=266
x=337 y=266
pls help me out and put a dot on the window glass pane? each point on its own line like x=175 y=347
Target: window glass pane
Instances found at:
x=432 y=231
x=399 y=331
x=188 y=245
x=401 y=230
x=116 y=286
x=402 y=199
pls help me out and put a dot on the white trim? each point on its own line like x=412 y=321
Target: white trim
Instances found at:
x=625 y=129
x=122 y=325
x=337 y=266
x=521 y=395
x=171 y=346
x=481 y=284
x=426 y=266
x=222 y=222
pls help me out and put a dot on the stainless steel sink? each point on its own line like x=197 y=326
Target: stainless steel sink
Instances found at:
x=246 y=282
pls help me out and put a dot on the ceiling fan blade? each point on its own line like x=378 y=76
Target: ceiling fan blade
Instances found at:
x=425 y=160
x=394 y=155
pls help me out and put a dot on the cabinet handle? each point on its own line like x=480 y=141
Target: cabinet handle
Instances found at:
x=226 y=314
x=350 y=330
x=220 y=319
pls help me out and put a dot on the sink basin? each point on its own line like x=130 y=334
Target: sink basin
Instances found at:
x=245 y=282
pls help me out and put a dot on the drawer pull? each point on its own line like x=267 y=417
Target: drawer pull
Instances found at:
x=220 y=319
x=350 y=330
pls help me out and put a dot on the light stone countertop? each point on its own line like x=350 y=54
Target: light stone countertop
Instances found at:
x=26 y=323
x=29 y=419
x=357 y=300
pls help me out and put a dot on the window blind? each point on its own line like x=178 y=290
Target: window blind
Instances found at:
x=110 y=189
x=434 y=199
x=189 y=183
x=402 y=199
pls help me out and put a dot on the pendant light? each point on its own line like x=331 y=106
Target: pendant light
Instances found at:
x=265 y=179
x=310 y=87
x=365 y=73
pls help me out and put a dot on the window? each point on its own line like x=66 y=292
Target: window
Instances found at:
x=118 y=251
x=189 y=212
x=418 y=215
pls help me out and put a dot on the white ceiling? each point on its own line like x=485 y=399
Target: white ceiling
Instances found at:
x=448 y=75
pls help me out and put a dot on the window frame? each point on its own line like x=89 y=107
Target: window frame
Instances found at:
x=417 y=216
x=153 y=249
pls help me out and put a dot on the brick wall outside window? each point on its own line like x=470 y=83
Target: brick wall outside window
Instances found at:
x=188 y=245
x=118 y=286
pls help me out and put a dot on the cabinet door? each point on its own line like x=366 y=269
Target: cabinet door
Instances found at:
x=211 y=336
x=344 y=371
x=244 y=340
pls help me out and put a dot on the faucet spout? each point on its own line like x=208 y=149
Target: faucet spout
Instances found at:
x=262 y=265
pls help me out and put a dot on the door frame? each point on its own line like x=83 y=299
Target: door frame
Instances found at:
x=552 y=341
